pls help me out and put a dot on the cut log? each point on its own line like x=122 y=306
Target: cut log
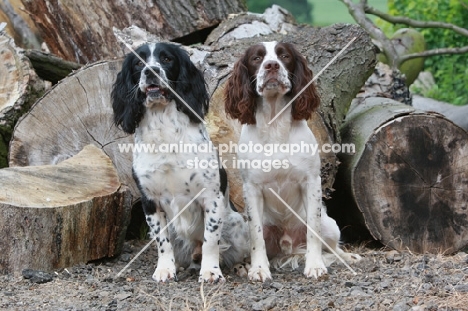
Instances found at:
x=456 y=114
x=407 y=180
x=74 y=113
x=56 y=216
x=50 y=67
x=19 y=88
x=81 y=31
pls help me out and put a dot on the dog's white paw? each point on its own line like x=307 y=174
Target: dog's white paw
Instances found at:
x=315 y=269
x=164 y=274
x=212 y=275
x=259 y=274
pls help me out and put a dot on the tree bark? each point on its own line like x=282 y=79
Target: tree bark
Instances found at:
x=456 y=114
x=81 y=31
x=50 y=67
x=407 y=179
x=56 y=216
x=19 y=88
x=20 y=25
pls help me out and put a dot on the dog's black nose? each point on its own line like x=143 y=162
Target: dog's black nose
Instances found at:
x=149 y=71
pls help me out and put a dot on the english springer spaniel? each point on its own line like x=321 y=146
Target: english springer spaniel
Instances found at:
x=263 y=82
x=161 y=97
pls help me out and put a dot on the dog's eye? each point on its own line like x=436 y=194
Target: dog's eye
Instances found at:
x=140 y=64
x=285 y=56
x=166 y=60
x=256 y=58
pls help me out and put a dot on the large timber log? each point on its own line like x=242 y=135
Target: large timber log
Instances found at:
x=74 y=113
x=81 y=31
x=407 y=180
x=19 y=88
x=56 y=216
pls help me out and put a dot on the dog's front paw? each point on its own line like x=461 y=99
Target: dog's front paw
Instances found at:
x=213 y=275
x=164 y=274
x=315 y=269
x=259 y=274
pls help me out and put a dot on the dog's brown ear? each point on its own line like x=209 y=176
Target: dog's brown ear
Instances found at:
x=309 y=100
x=239 y=95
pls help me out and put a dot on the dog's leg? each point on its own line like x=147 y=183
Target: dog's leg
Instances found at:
x=214 y=214
x=312 y=194
x=156 y=220
x=260 y=267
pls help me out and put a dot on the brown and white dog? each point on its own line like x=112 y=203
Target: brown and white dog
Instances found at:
x=263 y=82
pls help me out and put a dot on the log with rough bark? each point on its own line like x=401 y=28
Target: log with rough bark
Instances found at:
x=456 y=114
x=81 y=31
x=20 y=26
x=56 y=216
x=19 y=88
x=50 y=67
x=74 y=113
x=407 y=180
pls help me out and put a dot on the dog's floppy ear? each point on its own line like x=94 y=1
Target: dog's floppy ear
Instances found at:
x=127 y=101
x=239 y=95
x=191 y=87
x=309 y=100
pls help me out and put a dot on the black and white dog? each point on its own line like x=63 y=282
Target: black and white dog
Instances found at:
x=162 y=100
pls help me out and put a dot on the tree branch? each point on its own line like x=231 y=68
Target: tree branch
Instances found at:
x=414 y=23
x=357 y=12
x=433 y=52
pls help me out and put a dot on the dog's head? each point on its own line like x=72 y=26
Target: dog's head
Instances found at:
x=158 y=74
x=270 y=69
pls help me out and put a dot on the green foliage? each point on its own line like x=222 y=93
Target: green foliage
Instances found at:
x=450 y=71
x=300 y=9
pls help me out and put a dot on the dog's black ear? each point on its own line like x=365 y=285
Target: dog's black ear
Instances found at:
x=127 y=101
x=191 y=87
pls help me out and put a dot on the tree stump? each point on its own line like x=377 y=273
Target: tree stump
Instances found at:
x=81 y=31
x=55 y=216
x=74 y=113
x=408 y=177
x=19 y=88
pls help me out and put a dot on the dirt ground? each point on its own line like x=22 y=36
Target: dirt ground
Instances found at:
x=384 y=280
